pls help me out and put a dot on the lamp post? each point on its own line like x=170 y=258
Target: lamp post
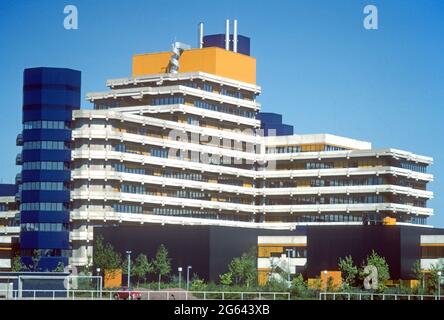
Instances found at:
x=98 y=274
x=439 y=285
x=129 y=268
x=188 y=277
x=325 y=283
x=180 y=276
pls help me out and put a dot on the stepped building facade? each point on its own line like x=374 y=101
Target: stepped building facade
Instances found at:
x=184 y=142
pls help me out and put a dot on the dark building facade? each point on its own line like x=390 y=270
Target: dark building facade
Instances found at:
x=209 y=249
x=271 y=124
x=218 y=40
x=399 y=245
x=49 y=96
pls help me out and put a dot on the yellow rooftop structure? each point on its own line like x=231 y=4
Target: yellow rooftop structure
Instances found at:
x=213 y=60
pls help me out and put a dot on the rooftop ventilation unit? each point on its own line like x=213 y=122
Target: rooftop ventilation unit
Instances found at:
x=177 y=49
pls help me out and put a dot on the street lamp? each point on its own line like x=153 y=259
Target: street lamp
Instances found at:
x=99 y=283
x=188 y=277
x=180 y=276
x=98 y=274
x=439 y=285
x=325 y=283
x=129 y=268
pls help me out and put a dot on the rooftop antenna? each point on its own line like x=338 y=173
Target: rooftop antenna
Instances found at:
x=235 y=35
x=227 y=34
x=201 y=35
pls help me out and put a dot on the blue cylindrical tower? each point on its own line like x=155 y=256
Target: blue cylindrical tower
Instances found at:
x=49 y=97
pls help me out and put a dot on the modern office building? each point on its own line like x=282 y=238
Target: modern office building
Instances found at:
x=9 y=225
x=49 y=97
x=183 y=142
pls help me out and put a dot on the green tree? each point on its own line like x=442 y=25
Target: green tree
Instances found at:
x=17 y=265
x=330 y=285
x=105 y=257
x=382 y=267
x=418 y=274
x=433 y=278
x=349 y=271
x=142 y=267
x=124 y=266
x=162 y=264
x=197 y=284
x=276 y=285
x=226 y=279
x=298 y=286
x=317 y=284
x=243 y=269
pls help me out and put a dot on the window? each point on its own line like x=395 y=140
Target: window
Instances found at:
x=318 y=165
x=283 y=149
x=161 y=153
x=414 y=166
x=120 y=167
x=190 y=84
x=44 y=165
x=225 y=109
x=44 y=227
x=49 y=145
x=127 y=188
x=42 y=206
x=184 y=212
x=45 y=124
x=231 y=93
x=167 y=100
x=127 y=208
x=193 y=121
x=120 y=147
x=207 y=87
x=333 y=148
x=41 y=185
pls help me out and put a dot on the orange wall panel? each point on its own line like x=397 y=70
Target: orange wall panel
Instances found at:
x=262 y=276
x=151 y=63
x=113 y=278
x=336 y=277
x=213 y=60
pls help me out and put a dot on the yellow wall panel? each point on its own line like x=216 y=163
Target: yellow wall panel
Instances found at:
x=150 y=63
x=336 y=277
x=213 y=60
x=388 y=221
x=265 y=252
x=262 y=276
x=113 y=278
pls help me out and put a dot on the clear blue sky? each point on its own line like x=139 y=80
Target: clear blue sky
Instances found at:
x=317 y=65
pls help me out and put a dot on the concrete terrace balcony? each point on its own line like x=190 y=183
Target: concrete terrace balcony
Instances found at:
x=140 y=92
x=249 y=208
x=112 y=175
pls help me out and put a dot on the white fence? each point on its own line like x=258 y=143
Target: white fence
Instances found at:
x=141 y=295
x=375 y=296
